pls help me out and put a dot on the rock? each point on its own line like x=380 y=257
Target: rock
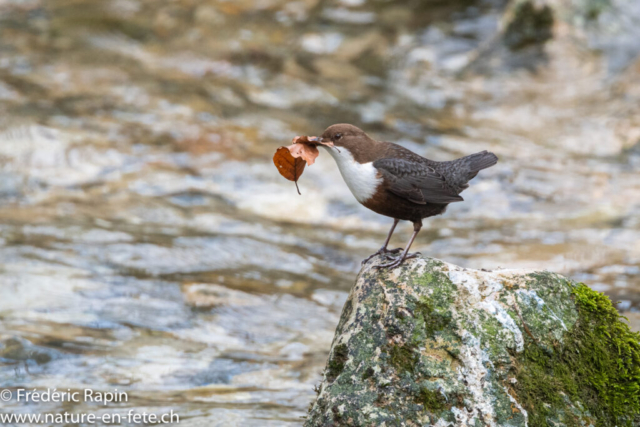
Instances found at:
x=529 y=25
x=531 y=22
x=433 y=344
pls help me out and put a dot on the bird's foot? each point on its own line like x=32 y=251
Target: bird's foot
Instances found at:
x=382 y=251
x=388 y=255
x=398 y=261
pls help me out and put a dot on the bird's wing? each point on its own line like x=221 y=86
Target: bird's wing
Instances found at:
x=416 y=182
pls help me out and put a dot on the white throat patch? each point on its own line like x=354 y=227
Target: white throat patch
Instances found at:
x=361 y=178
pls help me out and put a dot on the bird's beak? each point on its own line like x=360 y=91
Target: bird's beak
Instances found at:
x=318 y=139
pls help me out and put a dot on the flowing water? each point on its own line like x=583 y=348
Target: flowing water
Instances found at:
x=148 y=244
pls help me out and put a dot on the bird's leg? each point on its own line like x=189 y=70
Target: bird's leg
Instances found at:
x=405 y=255
x=383 y=250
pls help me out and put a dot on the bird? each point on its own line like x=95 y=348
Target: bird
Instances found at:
x=396 y=182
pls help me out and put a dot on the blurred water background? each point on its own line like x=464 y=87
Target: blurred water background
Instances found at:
x=147 y=242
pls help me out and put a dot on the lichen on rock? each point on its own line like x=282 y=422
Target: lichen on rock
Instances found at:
x=431 y=343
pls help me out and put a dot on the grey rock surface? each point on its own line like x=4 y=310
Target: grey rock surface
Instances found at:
x=434 y=344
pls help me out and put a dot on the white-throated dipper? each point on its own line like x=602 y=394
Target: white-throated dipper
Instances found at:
x=396 y=182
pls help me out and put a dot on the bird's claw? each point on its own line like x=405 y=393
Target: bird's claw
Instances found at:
x=387 y=255
x=390 y=265
x=398 y=261
x=382 y=251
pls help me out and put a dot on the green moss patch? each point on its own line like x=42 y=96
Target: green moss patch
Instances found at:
x=337 y=361
x=597 y=367
x=433 y=401
x=403 y=357
x=422 y=326
x=434 y=320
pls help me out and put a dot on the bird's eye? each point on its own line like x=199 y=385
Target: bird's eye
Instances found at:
x=337 y=136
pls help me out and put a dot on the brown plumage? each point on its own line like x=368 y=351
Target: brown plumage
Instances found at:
x=396 y=182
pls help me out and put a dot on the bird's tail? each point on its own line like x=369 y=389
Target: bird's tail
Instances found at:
x=478 y=161
x=469 y=167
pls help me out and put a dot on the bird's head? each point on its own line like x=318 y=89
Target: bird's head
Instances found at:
x=348 y=142
x=346 y=135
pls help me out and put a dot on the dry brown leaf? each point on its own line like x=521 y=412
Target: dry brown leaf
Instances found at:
x=313 y=140
x=290 y=167
x=291 y=160
x=304 y=139
x=307 y=152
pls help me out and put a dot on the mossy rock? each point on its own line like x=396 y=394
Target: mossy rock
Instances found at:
x=433 y=344
x=530 y=25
